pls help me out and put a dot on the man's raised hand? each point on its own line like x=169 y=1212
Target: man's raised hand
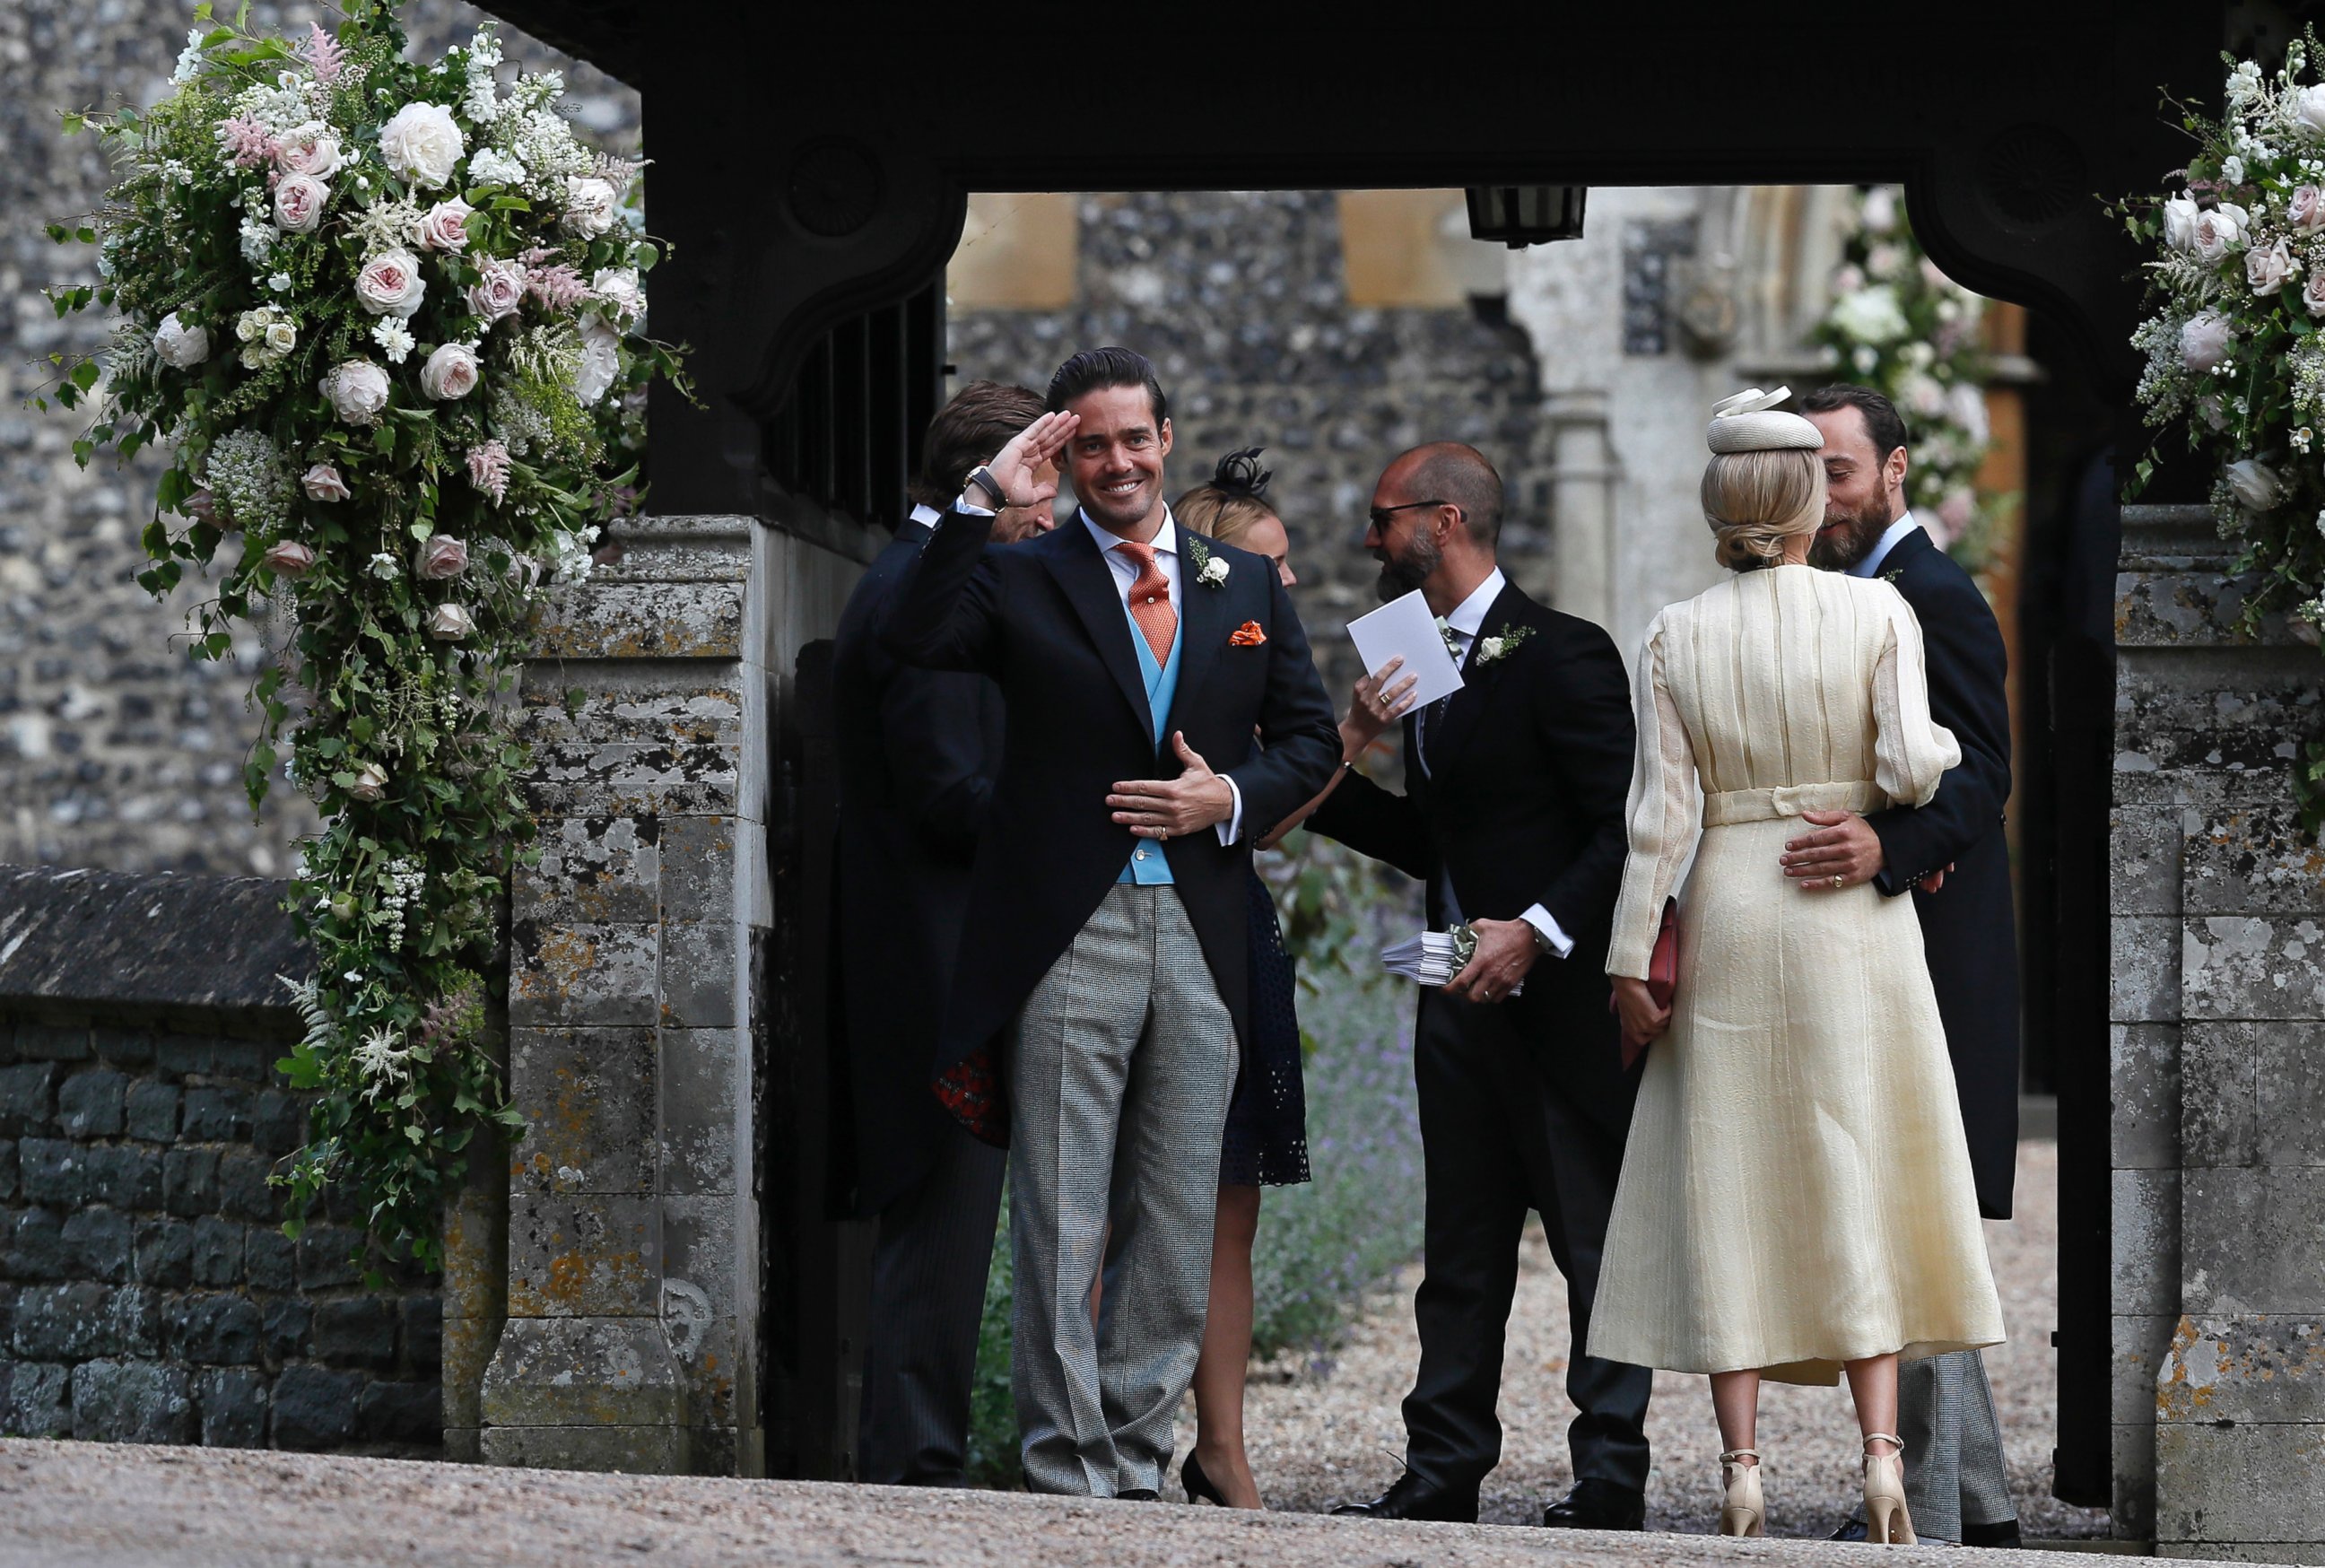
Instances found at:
x=1028 y=450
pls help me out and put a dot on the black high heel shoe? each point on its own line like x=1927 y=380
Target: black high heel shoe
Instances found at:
x=1199 y=1485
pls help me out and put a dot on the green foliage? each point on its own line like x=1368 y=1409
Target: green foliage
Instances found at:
x=328 y=459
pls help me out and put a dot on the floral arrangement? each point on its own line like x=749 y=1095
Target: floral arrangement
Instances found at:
x=1899 y=326
x=2234 y=350
x=385 y=316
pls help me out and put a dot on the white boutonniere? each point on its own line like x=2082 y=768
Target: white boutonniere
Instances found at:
x=1502 y=644
x=1211 y=570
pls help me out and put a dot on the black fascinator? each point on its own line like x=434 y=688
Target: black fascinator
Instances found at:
x=1239 y=475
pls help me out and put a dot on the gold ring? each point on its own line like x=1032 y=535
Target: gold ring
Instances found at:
x=1838 y=879
x=1162 y=833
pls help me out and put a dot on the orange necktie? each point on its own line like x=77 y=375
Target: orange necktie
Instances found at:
x=1149 y=600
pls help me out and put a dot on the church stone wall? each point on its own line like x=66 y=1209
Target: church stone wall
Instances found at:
x=115 y=750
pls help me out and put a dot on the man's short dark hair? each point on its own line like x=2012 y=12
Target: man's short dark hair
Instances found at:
x=976 y=424
x=1095 y=369
x=1453 y=471
x=1882 y=421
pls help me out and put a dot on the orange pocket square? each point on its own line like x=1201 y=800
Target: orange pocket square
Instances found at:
x=1248 y=635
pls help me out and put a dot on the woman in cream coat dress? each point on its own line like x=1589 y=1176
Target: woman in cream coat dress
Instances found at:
x=1796 y=1197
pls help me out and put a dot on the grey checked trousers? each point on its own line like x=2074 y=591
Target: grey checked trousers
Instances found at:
x=1954 y=1469
x=1119 y=1077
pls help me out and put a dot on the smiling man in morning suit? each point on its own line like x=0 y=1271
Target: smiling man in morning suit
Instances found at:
x=1101 y=991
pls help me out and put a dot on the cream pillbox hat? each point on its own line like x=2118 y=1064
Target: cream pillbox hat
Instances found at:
x=1749 y=422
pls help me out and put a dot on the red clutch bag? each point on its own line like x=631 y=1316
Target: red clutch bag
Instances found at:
x=1663 y=978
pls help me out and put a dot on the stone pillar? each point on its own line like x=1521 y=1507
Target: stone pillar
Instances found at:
x=2218 y=1068
x=1582 y=507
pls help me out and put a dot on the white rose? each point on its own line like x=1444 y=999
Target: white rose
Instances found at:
x=322 y=483
x=499 y=293
x=390 y=284
x=618 y=287
x=2232 y=170
x=2257 y=489
x=2267 y=270
x=318 y=156
x=2204 y=340
x=299 y=201
x=2180 y=222
x=451 y=372
x=357 y=390
x=444 y=227
x=281 y=336
x=601 y=360
x=371 y=783
x=450 y=622
x=2218 y=232
x=2309 y=110
x=589 y=205
x=179 y=346
x=421 y=143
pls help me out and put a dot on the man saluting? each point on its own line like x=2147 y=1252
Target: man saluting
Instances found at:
x=1100 y=993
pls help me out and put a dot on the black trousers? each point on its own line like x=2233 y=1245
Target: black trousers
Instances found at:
x=928 y=1296
x=1509 y=1123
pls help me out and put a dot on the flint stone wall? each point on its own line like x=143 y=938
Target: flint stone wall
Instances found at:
x=147 y=1292
x=2219 y=1070
x=115 y=748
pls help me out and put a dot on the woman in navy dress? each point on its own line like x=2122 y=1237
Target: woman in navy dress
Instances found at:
x=1266 y=1138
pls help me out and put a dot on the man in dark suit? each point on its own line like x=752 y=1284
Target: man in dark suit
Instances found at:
x=1100 y=992
x=1954 y=856
x=1511 y=817
x=918 y=750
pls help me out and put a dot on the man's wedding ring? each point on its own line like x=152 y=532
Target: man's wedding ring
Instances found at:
x=1162 y=833
x=1838 y=880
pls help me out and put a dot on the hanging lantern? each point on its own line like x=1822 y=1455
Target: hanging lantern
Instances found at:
x=1524 y=214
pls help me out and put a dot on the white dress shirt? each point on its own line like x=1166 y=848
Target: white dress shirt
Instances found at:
x=1467 y=622
x=1871 y=565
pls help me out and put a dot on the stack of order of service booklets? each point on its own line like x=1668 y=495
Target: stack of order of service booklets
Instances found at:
x=1434 y=957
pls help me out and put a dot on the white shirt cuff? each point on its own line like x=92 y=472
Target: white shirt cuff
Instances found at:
x=1540 y=918
x=1232 y=829
x=970 y=508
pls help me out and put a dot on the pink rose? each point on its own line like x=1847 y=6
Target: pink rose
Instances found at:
x=440 y=558
x=390 y=284
x=2204 y=340
x=2267 y=270
x=323 y=483
x=287 y=558
x=299 y=201
x=2307 y=209
x=200 y=506
x=2312 y=293
x=499 y=293
x=451 y=623
x=317 y=155
x=444 y=227
x=451 y=372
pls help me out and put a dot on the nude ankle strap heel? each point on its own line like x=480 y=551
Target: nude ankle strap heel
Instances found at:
x=1885 y=1519
x=1741 y=1512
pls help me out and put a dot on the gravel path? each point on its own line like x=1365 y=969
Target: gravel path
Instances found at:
x=1321 y=1434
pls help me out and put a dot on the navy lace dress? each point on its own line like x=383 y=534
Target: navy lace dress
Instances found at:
x=1266 y=1140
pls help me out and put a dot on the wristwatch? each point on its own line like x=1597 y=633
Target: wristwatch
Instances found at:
x=980 y=478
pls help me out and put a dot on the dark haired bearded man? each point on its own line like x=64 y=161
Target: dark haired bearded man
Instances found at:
x=1952 y=855
x=1100 y=995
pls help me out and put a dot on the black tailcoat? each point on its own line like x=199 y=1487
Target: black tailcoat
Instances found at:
x=1046 y=620
x=1968 y=928
x=1522 y=803
x=918 y=749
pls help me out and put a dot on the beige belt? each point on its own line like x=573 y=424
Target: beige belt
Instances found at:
x=1789 y=800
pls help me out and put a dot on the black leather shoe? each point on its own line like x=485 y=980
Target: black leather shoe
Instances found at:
x=1199 y=1485
x=1598 y=1505
x=1138 y=1495
x=1413 y=1497
x=2003 y=1534
x=1852 y=1530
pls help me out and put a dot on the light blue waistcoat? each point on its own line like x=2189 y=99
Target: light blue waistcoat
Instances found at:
x=1148 y=866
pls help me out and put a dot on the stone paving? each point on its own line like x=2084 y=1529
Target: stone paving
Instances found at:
x=123 y=1507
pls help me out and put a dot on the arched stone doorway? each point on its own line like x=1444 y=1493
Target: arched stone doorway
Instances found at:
x=809 y=217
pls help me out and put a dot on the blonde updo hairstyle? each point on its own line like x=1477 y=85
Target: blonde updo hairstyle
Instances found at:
x=1756 y=500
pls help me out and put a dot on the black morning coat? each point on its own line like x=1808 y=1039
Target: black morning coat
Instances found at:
x=1968 y=928
x=1523 y=803
x=1044 y=619
x=918 y=750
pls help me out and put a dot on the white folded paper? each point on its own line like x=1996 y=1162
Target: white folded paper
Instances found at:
x=1404 y=628
x=1431 y=959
